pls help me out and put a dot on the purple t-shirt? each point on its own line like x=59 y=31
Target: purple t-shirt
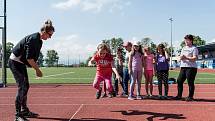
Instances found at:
x=162 y=63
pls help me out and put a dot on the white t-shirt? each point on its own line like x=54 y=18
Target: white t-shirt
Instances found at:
x=189 y=52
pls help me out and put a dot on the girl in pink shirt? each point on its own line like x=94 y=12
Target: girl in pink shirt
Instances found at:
x=148 y=70
x=135 y=67
x=105 y=66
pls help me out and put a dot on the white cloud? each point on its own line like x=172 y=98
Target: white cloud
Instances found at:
x=92 y=5
x=66 y=4
x=71 y=46
x=213 y=40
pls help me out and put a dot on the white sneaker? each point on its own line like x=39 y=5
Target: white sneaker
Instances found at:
x=131 y=98
x=139 y=97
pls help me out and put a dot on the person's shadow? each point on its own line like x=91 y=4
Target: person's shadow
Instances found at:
x=153 y=115
x=204 y=100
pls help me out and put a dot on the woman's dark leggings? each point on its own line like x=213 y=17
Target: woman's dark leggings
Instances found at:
x=189 y=74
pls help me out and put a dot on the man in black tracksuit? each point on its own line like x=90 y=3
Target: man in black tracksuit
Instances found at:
x=26 y=52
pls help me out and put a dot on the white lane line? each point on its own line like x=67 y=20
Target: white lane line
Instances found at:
x=76 y=111
x=198 y=73
x=58 y=74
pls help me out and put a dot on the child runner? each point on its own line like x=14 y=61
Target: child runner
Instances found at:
x=119 y=68
x=148 y=70
x=105 y=65
x=162 y=70
x=126 y=76
x=135 y=67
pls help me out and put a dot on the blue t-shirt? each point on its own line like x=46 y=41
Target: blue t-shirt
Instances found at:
x=162 y=63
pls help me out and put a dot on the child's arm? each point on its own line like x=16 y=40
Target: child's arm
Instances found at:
x=153 y=62
x=155 y=65
x=116 y=72
x=166 y=54
x=143 y=61
x=130 y=64
x=90 y=63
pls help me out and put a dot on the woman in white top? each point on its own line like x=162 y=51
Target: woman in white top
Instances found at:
x=188 y=66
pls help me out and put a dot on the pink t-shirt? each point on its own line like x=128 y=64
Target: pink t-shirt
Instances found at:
x=149 y=62
x=137 y=61
x=103 y=65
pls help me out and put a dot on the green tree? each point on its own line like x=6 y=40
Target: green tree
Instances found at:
x=51 y=58
x=149 y=43
x=40 y=59
x=197 y=41
x=146 y=42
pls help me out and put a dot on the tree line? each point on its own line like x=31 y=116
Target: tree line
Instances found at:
x=114 y=43
x=50 y=60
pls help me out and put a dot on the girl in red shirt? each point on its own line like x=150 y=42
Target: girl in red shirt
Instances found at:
x=105 y=65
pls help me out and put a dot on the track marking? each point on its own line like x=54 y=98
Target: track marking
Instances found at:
x=197 y=72
x=58 y=74
x=76 y=111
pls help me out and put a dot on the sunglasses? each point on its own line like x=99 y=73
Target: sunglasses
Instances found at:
x=49 y=34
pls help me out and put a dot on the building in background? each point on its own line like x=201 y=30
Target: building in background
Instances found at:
x=206 y=58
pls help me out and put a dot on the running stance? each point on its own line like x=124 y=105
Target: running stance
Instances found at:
x=105 y=66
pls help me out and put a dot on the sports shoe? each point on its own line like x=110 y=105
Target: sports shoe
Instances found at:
x=139 y=97
x=111 y=94
x=29 y=114
x=124 y=95
x=188 y=99
x=98 y=93
x=165 y=97
x=149 y=96
x=103 y=95
x=131 y=97
x=114 y=94
x=20 y=118
x=177 y=98
x=160 y=97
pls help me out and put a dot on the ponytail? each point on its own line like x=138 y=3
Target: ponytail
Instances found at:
x=47 y=27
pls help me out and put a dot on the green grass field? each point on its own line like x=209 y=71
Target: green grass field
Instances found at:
x=86 y=75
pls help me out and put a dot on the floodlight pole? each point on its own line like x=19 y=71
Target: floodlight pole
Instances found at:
x=4 y=71
x=171 y=44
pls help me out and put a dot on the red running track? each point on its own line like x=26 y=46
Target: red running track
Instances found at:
x=77 y=103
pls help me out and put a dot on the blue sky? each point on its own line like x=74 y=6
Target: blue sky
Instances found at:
x=82 y=24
